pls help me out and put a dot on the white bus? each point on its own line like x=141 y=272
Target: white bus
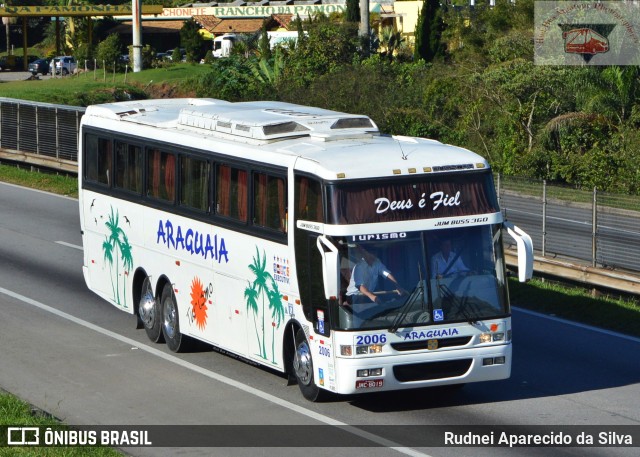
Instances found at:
x=242 y=225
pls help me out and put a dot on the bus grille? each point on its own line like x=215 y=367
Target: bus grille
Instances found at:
x=422 y=344
x=431 y=370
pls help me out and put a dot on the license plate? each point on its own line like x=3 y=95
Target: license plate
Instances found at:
x=369 y=383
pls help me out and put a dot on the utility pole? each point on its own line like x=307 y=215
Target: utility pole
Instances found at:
x=136 y=8
x=364 y=25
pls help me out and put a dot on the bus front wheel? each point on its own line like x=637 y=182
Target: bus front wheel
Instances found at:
x=303 y=368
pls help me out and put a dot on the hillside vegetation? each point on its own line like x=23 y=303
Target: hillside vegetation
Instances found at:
x=480 y=90
x=572 y=125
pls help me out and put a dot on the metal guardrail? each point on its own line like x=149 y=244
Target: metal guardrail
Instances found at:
x=40 y=134
x=601 y=231
x=596 y=228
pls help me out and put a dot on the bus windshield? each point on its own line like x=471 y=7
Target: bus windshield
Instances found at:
x=408 y=279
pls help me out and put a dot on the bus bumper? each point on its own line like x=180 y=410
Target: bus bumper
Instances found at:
x=422 y=369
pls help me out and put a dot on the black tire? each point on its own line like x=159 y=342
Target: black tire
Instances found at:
x=150 y=313
x=303 y=369
x=176 y=341
x=65 y=72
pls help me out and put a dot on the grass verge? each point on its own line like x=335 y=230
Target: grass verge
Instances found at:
x=620 y=314
x=18 y=413
x=98 y=87
x=50 y=182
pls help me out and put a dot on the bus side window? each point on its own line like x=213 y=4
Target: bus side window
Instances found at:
x=269 y=202
x=104 y=161
x=161 y=181
x=90 y=149
x=128 y=167
x=231 y=192
x=98 y=159
x=194 y=183
x=308 y=198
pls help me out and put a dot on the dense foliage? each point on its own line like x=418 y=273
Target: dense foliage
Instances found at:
x=574 y=125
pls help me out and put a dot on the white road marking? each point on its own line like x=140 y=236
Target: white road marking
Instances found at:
x=69 y=245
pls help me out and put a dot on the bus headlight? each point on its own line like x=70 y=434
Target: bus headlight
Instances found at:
x=369 y=349
x=346 y=351
x=489 y=337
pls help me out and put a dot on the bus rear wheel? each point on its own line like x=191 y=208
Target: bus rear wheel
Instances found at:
x=149 y=313
x=303 y=369
x=176 y=341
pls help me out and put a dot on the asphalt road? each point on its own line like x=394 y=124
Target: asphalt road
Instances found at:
x=19 y=76
x=70 y=353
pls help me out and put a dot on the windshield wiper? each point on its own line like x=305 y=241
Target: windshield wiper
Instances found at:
x=461 y=305
x=410 y=301
x=405 y=309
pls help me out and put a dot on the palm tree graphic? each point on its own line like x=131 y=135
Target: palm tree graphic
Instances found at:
x=277 y=314
x=259 y=269
x=264 y=287
x=116 y=238
x=251 y=295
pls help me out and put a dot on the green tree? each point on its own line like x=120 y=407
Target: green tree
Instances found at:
x=191 y=41
x=327 y=47
x=176 y=55
x=429 y=31
x=353 y=11
x=611 y=91
x=264 y=45
x=390 y=40
x=268 y=71
x=109 y=51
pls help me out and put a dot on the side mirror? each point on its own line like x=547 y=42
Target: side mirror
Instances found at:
x=525 y=251
x=329 y=255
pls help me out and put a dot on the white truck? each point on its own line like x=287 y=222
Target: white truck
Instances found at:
x=223 y=44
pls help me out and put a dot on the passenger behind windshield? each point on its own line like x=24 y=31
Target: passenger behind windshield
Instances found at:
x=447 y=262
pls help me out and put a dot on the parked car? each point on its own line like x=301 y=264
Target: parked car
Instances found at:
x=63 y=65
x=13 y=62
x=39 y=66
x=183 y=53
